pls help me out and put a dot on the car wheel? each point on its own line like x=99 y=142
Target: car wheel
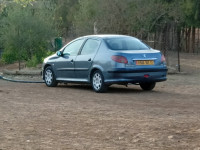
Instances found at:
x=148 y=86
x=49 y=77
x=98 y=82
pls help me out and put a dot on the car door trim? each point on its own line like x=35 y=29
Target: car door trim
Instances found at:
x=65 y=69
x=72 y=79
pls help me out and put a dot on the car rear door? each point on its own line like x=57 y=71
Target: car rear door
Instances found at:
x=85 y=58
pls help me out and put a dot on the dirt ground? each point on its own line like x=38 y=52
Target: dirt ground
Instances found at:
x=73 y=117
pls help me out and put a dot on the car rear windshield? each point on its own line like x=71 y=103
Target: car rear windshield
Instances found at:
x=125 y=43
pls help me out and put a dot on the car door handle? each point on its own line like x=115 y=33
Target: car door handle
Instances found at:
x=72 y=61
x=90 y=59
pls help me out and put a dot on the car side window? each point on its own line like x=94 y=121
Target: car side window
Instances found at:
x=73 y=48
x=90 y=46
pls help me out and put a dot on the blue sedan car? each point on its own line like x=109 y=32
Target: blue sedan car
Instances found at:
x=103 y=60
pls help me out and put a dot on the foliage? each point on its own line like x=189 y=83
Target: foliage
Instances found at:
x=64 y=15
x=28 y=26
x=32 y=62
x=8 y=57
x=124 y=17
x=26 y=32
x=24 y=3
x=191 y=10
x=35 y=60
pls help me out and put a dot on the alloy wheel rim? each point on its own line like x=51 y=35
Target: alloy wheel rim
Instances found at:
x=48 y=77
x=97 y=81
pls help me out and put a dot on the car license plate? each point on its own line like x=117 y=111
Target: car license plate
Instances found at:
x=144 y=62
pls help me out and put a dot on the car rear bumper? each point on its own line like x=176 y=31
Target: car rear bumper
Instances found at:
x=138 y=70
x=136 y=75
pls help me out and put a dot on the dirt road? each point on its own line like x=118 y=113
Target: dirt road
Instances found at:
x=34 y=117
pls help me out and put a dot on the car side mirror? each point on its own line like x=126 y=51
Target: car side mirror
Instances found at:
x=59 y=53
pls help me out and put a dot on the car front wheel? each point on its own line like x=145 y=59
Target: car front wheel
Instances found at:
x=98 y=82
x=148 y=86
x=49 y=77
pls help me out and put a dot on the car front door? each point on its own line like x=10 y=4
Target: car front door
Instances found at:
x=85 y=58
x=65 y=63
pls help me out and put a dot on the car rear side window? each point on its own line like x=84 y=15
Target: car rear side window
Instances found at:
x=90 y=47
x=126 y=43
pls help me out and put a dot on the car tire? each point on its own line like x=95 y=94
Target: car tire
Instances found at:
x=49 y=77
x=98 y=84
x=148 y=86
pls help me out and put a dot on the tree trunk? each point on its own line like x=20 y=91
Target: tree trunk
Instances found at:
x=198 y=42
x=193 y=39
x=155 y=38
x=178 y=32
x=164 y=42
x=182 y=39
x=188 y=40
x=19 y=64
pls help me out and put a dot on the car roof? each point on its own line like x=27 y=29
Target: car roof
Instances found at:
x=105 y=36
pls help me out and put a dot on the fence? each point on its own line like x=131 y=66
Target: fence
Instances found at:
x=178 y=61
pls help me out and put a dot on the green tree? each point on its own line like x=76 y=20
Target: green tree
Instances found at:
x=64 y=12
x=191 y=10
x=106 y=16
x=26 y=32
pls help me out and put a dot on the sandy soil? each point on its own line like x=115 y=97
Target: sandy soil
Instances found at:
x=35 y=117
x=73 y=117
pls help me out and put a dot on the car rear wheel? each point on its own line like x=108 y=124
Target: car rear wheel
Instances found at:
x=148 y=86
x=49 y=77
x=98 y=82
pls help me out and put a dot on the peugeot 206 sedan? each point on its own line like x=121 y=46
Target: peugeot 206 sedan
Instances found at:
x=103 y=60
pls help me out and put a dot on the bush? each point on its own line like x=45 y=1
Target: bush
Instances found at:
x=37 y=59
x=25 y=33
x=32 y=62
x=8 y=57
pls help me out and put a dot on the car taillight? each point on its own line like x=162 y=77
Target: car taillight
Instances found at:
x=119 y=59
x=163 y=59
